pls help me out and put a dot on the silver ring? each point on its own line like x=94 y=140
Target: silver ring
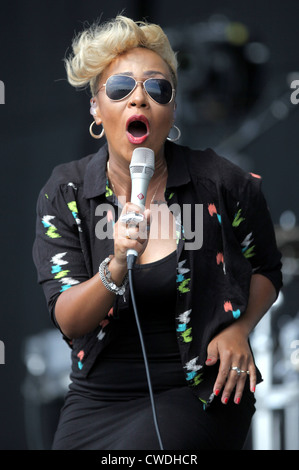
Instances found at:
x=236 y=369
x=239 y=371
x=132 y=218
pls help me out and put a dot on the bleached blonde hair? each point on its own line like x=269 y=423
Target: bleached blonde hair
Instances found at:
x=96 y=47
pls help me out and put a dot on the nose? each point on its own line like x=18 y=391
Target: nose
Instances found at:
x=139 y=96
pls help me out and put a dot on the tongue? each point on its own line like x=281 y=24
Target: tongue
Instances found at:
x=137 y=129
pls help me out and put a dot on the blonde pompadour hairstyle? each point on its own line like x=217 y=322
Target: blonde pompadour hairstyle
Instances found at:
x=96 y=47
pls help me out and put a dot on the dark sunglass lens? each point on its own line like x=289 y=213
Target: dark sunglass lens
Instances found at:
x=118 y=87
x=159 y=89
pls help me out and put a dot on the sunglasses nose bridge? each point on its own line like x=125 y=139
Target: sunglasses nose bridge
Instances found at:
x=139 y=85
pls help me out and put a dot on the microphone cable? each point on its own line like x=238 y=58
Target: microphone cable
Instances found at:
x=131 y=261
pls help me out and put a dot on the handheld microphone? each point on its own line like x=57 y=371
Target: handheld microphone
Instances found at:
x=142 y=168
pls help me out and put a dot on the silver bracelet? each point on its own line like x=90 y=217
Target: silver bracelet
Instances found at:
x=105 y=276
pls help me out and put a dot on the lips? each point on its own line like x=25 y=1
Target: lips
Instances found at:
x=137 y=129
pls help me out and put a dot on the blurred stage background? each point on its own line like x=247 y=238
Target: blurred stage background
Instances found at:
x=237 y=60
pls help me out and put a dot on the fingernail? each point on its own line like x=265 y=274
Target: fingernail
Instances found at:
x=225 y=400
x=253 y=389
x=208 y=360
x=237 y=401
x=217 y=392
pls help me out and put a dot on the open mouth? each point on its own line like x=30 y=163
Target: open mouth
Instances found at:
x=137 y=129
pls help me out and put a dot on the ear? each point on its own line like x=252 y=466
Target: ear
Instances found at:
x=95 y=111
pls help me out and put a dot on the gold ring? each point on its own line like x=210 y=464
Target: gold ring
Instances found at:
x=128 y=235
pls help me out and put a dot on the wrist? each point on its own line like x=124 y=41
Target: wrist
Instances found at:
x=117 y=270
x=242 y=326
x=113 y=285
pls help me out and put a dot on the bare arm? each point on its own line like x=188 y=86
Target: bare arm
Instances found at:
x=231 y=345
x=81 y=308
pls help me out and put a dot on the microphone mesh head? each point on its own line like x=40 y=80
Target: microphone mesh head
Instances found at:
x=142 y=157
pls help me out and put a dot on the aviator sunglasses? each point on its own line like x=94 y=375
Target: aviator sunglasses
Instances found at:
x=119 y=87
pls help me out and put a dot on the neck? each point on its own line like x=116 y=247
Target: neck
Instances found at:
x=119 y=178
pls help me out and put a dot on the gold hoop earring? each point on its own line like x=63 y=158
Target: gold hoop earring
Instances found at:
x=95 y=136
x=174 y=139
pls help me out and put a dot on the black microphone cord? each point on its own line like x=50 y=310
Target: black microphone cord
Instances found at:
x=131 y=261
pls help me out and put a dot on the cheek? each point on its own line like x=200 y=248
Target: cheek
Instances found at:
x=165 y=122
x=111 y=120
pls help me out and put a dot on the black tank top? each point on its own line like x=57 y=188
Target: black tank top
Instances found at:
x=119 y=370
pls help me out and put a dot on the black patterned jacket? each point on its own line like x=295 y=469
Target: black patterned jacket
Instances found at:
x=231 y=236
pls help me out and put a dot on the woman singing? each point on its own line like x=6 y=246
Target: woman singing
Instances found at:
x=204 y=275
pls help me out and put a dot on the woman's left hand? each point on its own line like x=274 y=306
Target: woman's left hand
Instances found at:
x=231 y=348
